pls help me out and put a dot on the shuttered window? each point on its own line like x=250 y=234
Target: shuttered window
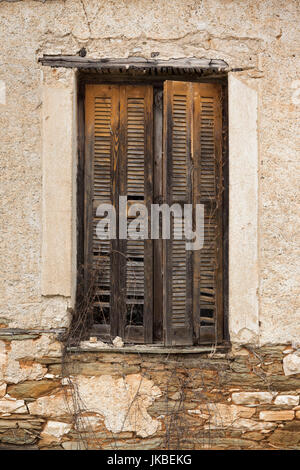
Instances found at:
x=149 y=290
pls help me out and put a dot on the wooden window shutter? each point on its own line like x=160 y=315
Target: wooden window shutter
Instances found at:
x=119 y=160
x=136 y=181
x=193 y=174
x=100 y=180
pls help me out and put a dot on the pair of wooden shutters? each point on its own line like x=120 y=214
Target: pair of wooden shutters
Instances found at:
x=120 y=161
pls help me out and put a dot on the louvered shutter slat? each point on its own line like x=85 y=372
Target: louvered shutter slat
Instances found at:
x=193 y=154
x=119 y=122
x=101 y=116
x=136 y=150
x=207 y=99
x=177 y=190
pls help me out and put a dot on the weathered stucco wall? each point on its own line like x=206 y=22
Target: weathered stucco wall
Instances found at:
x=260 y=38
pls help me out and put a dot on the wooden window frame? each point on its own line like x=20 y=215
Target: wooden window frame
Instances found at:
x=85 y=78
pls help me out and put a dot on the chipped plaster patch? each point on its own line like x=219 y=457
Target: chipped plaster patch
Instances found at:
x=52 y=406
x=16 y=363
x=220 y=415
x=123 y=402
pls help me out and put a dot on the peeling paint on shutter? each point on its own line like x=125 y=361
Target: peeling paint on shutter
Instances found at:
x=119 y=123
x=207 y=100
x=178 y=185
x=192 y=163
x=136 y=150
x=119 y=161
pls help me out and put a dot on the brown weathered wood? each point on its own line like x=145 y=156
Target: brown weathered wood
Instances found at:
x=157 y=199
x=190 y=334
x=196 y=153
x=136 y=103
x=219 y=210
x=88 y=194
x=177 y=189
x=103 y=332
x=134 y=334
x=80 y=186
x=194 y=108
x=207 y=334
x=167 y=182
x=148 y=243
x=134 y=63
x=150 y=77
x=119 y=116
x=101 y=120
x=196 y=181
x=121 y=190
x=211 y=185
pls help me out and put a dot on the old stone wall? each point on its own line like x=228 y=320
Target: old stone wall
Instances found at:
x=247 y=397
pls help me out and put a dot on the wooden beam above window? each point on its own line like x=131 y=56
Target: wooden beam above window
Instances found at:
x=184 y=65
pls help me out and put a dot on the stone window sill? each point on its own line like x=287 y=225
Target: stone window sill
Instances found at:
x=153 y=349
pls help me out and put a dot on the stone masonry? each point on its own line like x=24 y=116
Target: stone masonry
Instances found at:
x=247 y=398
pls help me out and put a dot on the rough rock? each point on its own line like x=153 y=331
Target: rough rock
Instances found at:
x=252 y=398
x=19 y=437
x=98 y=368
x=2 y=389
x=52 y=406
x=33 y=388
x=55 y=429
x=18 y=361
x=19 y=371
x=252 y=425
x=21 y=423
x=291 y=364
x=280 y=415
x=148 y=444
x=45 y=345
x=73 y=445
x=93 y=345
x=118 y=342
x=285 y=439
x=12 y=406
x=220 y=415
x=292 y=400
x=3 y=359
x=254 y=435
x=90 y=423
